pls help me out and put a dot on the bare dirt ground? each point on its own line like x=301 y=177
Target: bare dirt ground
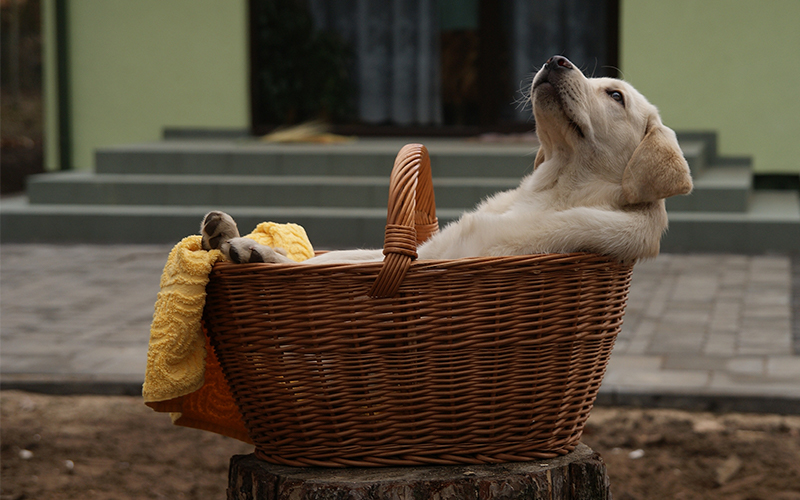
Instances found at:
x=671 y=454
x=97 y=447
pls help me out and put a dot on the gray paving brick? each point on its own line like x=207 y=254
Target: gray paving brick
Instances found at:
x=695 y=325
x=765 y=327
x=725 y=383
x=60 y=304
x=687 y=314
x=103 y=360
x=769 y=295
x=732 y=324
x=694 y=362
x=720 y=343
x=628 y=326
x=719 y=349
x=746 y=365
x=733 y=261
x=753 y=333
x=621 y=345
x=731 y=293
x=657 y=379
x=784 y=366
x=761 y=350
x=675 y=346
x=695 y=287
x=646 y=329
x=623 y=362
x=637 y=347
x=769 y=265
x=733 y=278
x=726 y=308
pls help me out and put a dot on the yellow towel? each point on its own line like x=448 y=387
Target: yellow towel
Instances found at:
x=183 y=376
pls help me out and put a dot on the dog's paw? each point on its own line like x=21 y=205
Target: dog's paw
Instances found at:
x=245 y=250
x=217 y=228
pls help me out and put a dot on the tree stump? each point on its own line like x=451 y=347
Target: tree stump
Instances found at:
x=580 y=475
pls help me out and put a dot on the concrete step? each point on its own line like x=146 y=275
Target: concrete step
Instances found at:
x=244 y=190
x=696 y=154
x=158 y=193
x=364 y=157
x=721 y=189
x=22 y=222
x=718 y=189
x=771 y=224
x=700 y=150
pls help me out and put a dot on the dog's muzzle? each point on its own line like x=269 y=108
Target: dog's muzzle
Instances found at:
x=554 y=67
x=554 y=71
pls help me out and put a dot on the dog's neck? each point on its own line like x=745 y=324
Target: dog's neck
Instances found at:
x=572 y=183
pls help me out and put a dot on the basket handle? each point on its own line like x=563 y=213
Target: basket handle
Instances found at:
x=411 y=218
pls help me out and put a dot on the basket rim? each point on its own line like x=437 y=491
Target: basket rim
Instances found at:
x=575 y=258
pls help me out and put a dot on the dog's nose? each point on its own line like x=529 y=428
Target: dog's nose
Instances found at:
x=557 y=62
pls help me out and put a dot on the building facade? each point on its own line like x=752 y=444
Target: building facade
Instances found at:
x=119 y=72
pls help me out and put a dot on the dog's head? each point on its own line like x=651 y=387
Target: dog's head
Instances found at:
x=604 y=124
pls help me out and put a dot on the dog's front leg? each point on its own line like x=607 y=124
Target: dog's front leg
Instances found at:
x=219 y=231
x=347 y=256
x=461 y=238
x=625 y=235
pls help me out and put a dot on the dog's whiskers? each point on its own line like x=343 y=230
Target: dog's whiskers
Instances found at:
x=615 y=68
x=594 y=70
x=523 y=101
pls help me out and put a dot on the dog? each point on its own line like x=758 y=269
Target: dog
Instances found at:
x=604 y=167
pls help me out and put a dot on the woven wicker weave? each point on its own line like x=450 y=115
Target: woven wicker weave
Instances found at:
x=409 y=362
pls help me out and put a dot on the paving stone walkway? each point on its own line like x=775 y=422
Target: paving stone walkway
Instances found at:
x=703 y=331
x=709 y=325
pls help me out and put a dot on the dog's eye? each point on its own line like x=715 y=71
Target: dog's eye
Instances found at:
x=617 y=96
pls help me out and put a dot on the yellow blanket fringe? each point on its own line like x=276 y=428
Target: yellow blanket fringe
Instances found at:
x=183 y=376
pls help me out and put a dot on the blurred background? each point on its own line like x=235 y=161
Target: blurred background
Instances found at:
x=123 y=122
x=102 y=86
x=115 y=72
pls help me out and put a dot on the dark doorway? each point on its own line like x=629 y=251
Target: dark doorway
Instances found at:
x=407 y=67
x=475 y=65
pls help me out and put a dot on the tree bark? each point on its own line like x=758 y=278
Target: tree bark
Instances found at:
x=580 y=475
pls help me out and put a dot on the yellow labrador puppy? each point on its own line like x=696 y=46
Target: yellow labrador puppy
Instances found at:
x=600 y=177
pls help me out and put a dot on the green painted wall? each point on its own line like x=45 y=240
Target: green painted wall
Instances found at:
x=138 y=66
x=727 y=65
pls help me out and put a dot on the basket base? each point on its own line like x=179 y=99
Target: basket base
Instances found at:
x=577 y=475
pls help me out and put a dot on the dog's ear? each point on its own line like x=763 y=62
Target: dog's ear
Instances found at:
x=657 y=168
x=539 y=158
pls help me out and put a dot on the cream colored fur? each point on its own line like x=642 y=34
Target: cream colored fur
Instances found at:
x=605 y=165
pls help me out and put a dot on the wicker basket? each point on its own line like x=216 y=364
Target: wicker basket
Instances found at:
x=475 y=360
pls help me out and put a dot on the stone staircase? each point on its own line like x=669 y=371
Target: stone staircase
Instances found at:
x=724 y=213
x=158 y=193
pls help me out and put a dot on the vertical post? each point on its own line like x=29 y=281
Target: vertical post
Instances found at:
x=62 y=76
x=256 y=118
x=14 y=53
